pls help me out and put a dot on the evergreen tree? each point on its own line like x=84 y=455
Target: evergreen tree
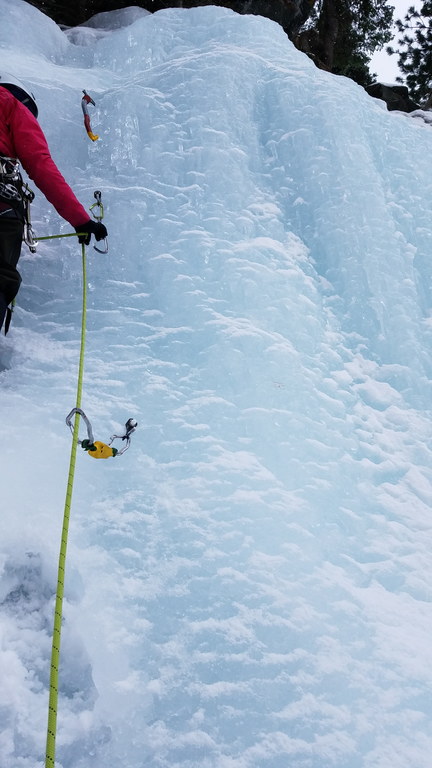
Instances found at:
x=342 y=35
x=415 y=50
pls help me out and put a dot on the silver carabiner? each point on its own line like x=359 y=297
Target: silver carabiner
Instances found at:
x=28 y=237
x=98 y=217
x=130 y=426
x=99 y=250
x=98 y=204
x=87 y=423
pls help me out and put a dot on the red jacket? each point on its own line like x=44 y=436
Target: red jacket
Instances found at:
x=22 y=137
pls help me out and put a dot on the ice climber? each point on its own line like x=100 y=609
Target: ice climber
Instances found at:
x=23 y=141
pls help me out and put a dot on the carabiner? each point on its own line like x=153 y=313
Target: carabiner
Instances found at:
x=97 y=204
x=98 y=217
x=130 y=426
x=87 y=423
x=28 y=236
x=99 y=250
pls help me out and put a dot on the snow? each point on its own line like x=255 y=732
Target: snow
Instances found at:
x=249 y=585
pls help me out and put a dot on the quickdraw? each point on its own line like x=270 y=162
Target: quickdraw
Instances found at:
x=96 y=448
x=98 y=215
x=85 y=101
x=28 y=234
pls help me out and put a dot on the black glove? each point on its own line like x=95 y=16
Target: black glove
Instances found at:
x=90 y=228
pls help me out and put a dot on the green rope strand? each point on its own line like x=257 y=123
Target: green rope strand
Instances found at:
x=56 y=237
x=56 y=639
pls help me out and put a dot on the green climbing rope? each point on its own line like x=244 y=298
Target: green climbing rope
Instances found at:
x=56 y=639
x=57 y=237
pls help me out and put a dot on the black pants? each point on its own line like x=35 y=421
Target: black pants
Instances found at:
x=11 y=232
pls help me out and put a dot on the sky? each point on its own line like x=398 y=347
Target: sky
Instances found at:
x=385 y=66
x=249 y=585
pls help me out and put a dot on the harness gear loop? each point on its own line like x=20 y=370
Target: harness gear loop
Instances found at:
x=15 y=193
x=17 y=196
x=98 y=215
x=10 y=181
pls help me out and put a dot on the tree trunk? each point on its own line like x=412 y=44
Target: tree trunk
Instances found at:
x=328 y=28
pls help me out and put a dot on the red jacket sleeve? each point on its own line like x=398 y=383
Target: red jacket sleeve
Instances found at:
x=31 y=149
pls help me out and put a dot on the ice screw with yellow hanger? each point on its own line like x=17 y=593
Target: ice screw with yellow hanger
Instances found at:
x=96 y=448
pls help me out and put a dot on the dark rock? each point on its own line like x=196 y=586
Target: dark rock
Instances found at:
x=395 y=96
